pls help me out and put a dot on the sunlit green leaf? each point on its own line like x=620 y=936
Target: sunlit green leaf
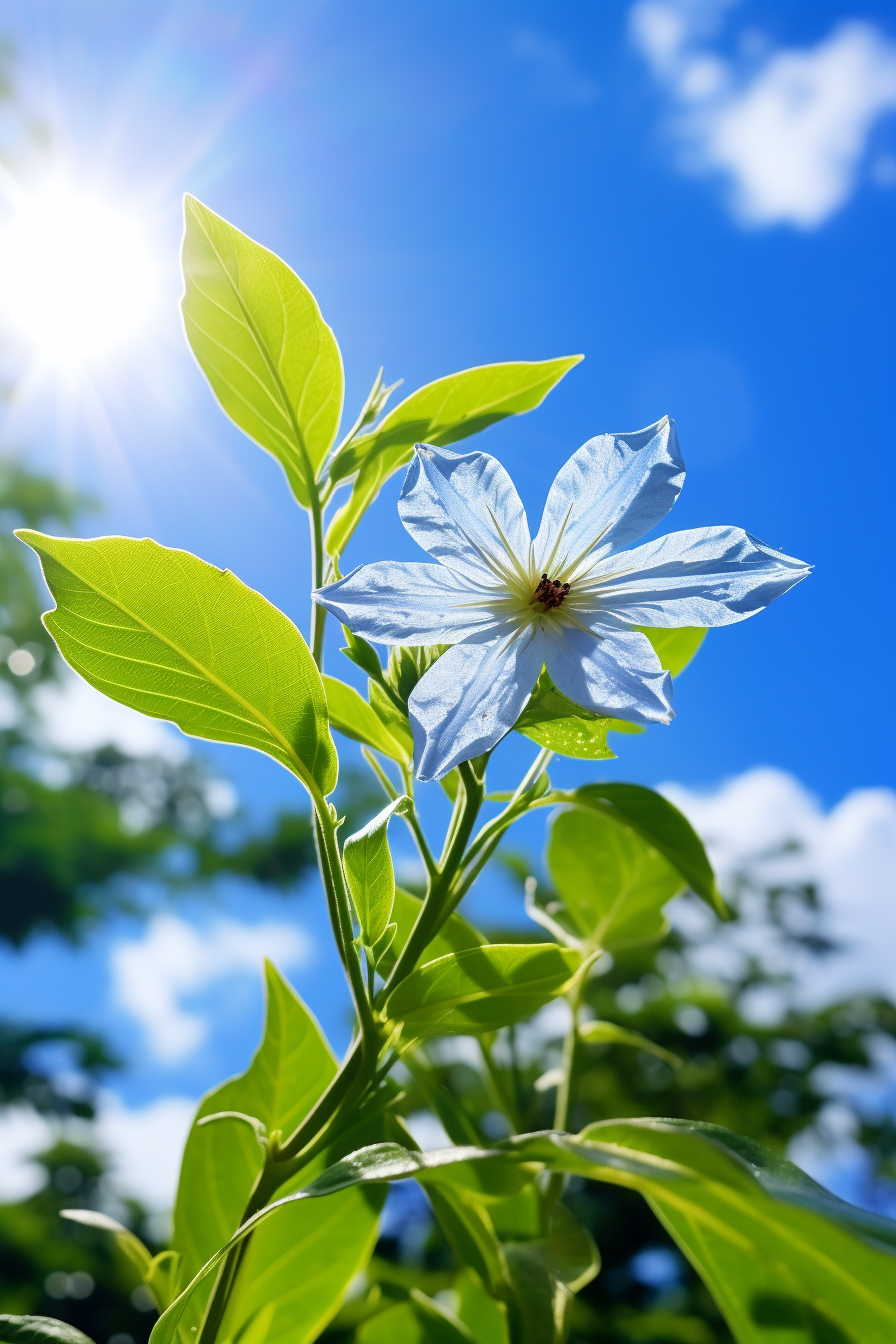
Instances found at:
x=371 y=877
x=661 y=824
x=555 y=722
x=481 y=989
x=290 y=1070
x=613 y=884
x=674 y=648
x=351 y=715
x=174 y=637
x=440 y=413
x=392 y=718
x=127 y=1242
x=784 y=1258
x=258 y=336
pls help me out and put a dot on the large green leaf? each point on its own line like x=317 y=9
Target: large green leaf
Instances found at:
x=613 y=884
x=39 y=1330
x=442 y=412
x=303 y=1261
x=370 y=874
x=351 y=715
x=787 y=1262
x=661 y=824
x=481 y=989
x=174 y=637
x=259 y=338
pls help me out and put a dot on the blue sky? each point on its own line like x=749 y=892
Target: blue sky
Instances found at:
x=461 y=184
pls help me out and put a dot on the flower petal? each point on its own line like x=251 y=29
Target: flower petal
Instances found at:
x=615 y=673
x=458 y=506
x=470 y=698
x=705 y=576
x=609 y=493
x=415 y=603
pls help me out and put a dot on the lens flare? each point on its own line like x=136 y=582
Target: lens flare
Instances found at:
x=77 y=275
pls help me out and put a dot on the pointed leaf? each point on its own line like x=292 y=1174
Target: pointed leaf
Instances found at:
x=607 y=1033
x=481 y=989
x=613 y=884
x=176 y=638
x=440 y=413
x=661 y=824
x=127 y=1241
x=259 y=338
x=371 y=877
x=775 y=1249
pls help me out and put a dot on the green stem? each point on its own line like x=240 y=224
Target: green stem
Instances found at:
x=331 y=871
x=318 y=613
x=434 y=910
x=563 y=1102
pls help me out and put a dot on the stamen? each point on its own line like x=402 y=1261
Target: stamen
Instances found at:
x=550 y=594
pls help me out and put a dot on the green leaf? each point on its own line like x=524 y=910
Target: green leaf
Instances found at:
x=455 y=934
x=351 y=715
x=393 y=719
x=661 y=824
x=484 y=1317
x=555 y=722
x=674 y=648
x=783 y=1258
x=546 y=1272
x=39 y=1330
x=290 y=1070
x=440 y=413
x=612 y=883
x=607 y=1033
x=129 y=1244
x=259 y=338
x=176 y=638
x=371 y=877
x=417 y=1321
x=481 y=989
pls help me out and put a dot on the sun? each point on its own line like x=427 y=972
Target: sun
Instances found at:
x=78 y=278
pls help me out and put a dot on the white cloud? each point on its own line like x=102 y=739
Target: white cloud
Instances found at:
x=153 y=974
x=75 y=717
x=788 y=131
x=142 y=1146
x=766 y=823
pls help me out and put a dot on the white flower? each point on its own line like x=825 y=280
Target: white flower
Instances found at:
x=566 y=601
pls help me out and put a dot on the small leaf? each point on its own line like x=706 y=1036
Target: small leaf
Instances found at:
x=371 y=877
x=440 y=413
x=128 y=1243
x=259 y=338
x=481 y=989
x=613 y=884
x=674 y=648
x=607 y=1033
x=362 y=654
x=661 y=824
x=484 y=1317
x=555 y=722
x=351 y=715
x=178 y=639
x=39 y=1330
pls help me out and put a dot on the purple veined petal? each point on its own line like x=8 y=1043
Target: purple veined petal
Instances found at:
x=609 y=493
x=471 y=697
x=414 y=603
x=705 y=576
x=464 y=510
x=616 y=673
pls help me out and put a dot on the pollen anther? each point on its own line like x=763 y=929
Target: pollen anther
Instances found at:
x=550 y=593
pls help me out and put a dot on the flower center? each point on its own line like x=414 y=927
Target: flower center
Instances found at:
x=550 y=593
